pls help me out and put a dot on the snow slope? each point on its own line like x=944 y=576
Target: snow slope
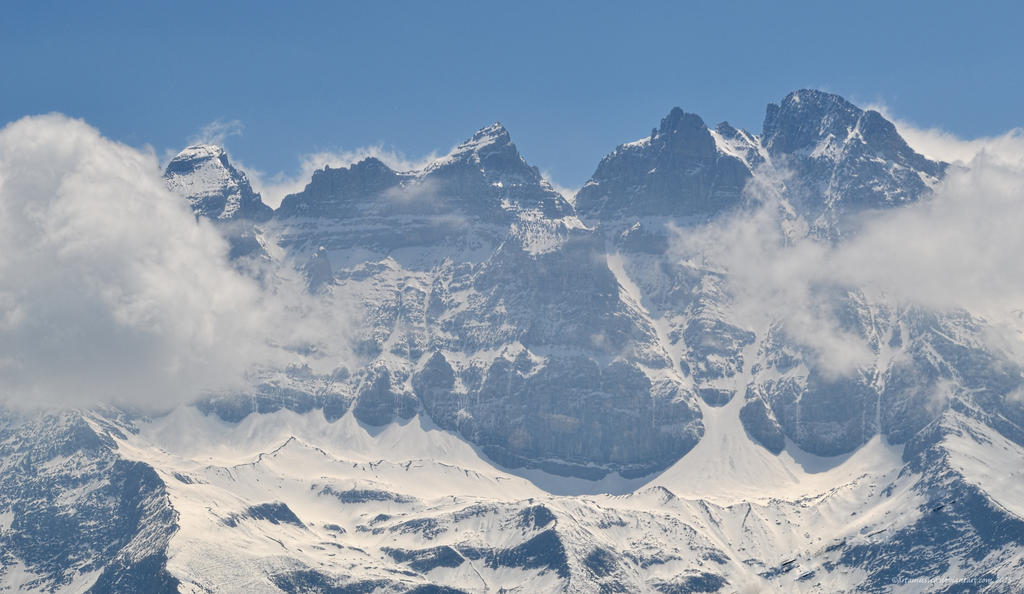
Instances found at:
x=276 y=497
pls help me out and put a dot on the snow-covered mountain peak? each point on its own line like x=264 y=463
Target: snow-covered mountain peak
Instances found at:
x=538 y=404
x=491 y=150
x=204 y=176
x=817 y=97
x=200 y=151
x=494 y=134
x=209 y=160
x=335 y=192
x=826 y=126
x=842 y=159
x=806 y=117
x=491 y=162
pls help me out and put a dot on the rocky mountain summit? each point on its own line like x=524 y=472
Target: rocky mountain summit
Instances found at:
x=557 y=395
x=680 y=171
x=213 y=187
x=842 y=159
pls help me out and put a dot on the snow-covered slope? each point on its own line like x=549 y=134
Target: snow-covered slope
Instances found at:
x=291 y=502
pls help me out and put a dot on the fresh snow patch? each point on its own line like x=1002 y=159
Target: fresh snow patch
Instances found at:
x=6 y=519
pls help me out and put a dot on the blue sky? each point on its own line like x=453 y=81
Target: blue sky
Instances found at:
x=569 y=80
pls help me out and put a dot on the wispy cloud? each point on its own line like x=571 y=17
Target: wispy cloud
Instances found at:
x=958 y=249
x=274 y=187
x=217 y=132
x=941 y=145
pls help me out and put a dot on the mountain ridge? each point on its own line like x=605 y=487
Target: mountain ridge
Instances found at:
x=555 y=395
x=484 y=205
x=810 y=126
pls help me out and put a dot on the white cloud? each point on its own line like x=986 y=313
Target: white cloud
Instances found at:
x=957 y=249
x=940 y=145
x=111 y=291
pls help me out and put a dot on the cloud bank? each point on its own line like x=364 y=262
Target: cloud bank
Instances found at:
x=958 y=249
x=940 y=145
x=112 y=291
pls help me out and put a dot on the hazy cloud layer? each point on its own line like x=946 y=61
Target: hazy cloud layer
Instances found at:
x=110 y=290
x=957 y=249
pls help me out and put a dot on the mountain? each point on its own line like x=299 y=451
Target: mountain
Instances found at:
x=462 y=202
x=682 y=170
x=288 y=501
x=843 y=159
x=556 y=395
x=487 y=302
x=217 y=191
x=213 y=187
x=838 y=160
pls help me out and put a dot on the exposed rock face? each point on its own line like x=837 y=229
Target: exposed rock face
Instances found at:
x=77 y=511
x=835 y=161
x=679 y=171
x=921 y=363
x=842 y=159
x=491 y=306
x=342 y=193
x=562 y=384
x=463 y=202
x=318 y=272
x=586 y=349
x=217 y=191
